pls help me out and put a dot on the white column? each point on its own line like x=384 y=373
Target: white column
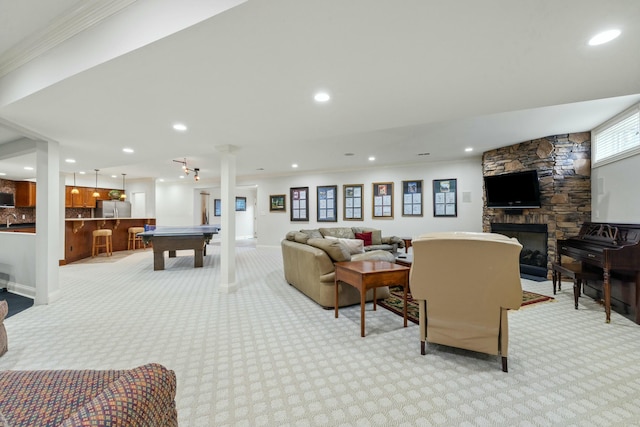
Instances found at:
x=47 y=222
x=228 y=219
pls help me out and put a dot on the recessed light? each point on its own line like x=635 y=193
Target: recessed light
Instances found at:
x=321 y=97
x=70 y=160
x=161 y=180
x=114 y=176
x=468 y=149
x=181 y=176
x=295 y=165
x=603 y=37
x=28 y=168
x=82 y=172
x=128 y=150
x=179 y=127
x=2 y=174
x=371 y=158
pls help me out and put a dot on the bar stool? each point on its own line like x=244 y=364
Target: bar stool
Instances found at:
x=106 y=243
x=134 y=239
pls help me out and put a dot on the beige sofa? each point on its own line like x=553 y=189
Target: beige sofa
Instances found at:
x=465 y=283
x=308 y=258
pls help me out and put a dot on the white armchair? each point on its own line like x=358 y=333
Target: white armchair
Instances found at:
x=464 y=284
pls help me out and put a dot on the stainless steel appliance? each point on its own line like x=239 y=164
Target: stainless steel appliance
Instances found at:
x=112 y=209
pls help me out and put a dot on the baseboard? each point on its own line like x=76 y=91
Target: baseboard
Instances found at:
x=22 y=290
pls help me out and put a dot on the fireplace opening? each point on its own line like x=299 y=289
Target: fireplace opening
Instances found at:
x=533 y=238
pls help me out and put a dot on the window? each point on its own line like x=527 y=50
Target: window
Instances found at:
x=617 y=138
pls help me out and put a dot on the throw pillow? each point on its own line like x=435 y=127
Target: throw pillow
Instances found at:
x=336 y=250
x=366 y=237
x=355 y=246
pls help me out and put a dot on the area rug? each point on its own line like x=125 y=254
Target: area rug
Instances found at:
x=395 y=304
x=16 y=303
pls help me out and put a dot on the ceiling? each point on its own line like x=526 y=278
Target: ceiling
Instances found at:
x=405 y=79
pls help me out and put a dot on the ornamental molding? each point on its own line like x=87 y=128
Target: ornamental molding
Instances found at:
x=83 y=16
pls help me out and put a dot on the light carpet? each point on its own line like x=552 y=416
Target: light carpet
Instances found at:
x=267 y=355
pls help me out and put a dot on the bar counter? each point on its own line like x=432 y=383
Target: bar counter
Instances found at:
x=78 y=234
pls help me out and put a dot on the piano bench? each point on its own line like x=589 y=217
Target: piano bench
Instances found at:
x=575 y=272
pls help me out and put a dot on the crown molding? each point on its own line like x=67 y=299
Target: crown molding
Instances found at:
x=67 y=25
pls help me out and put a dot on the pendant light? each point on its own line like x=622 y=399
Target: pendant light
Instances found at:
x=74 y=190
x=95 y=190
x=123 y=196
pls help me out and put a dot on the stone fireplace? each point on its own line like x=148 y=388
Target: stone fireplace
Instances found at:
x=563 y=163
x=533 y=238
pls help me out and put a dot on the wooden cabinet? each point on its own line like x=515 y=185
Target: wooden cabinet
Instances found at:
x=25 y=194
x=84 y=199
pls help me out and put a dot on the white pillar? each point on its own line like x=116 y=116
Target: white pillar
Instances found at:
x=47 y=222
x=228 y=219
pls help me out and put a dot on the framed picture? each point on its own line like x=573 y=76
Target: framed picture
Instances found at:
x=445 y=200
x=299 y=203
x=278 y=203
x=327 y=203
x=382 y=200
x=352 y=194
x=412 y=198
x=241 y=204
x=217 y=207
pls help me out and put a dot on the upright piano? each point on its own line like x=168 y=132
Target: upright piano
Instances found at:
x=613 y=249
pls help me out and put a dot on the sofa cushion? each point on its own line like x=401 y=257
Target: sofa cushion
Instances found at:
x=365 y=237
x=300 y=237
x=336 y=250
x=143 y=396
x=355 y=246
x=4 y=309
x=313 y=233
x=376 y=255
x=342 y=232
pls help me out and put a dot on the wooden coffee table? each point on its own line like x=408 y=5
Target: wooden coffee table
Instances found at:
x=365 y=275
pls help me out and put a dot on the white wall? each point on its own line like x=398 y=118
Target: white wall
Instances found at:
x=615 y=193
x=272 y=226
x=178 y=203
x=18 y=261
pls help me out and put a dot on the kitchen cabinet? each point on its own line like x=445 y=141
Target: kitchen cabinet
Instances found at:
x=25 y=196
x=84 y=199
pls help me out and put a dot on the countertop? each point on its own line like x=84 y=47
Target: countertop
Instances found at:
x=3 y=226
x=105 y=219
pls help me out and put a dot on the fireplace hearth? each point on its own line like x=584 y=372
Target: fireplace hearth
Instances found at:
x=533 y=238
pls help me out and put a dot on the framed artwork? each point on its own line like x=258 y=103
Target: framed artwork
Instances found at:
x=352 y=194
x=382 y=200
x=241 y=204
x=327 y=203
x=412 y=198
x=217 y=207
x=445 y=200
x=299 y=203
x=278 y=203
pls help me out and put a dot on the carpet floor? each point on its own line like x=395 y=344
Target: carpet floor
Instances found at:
x=266 y=355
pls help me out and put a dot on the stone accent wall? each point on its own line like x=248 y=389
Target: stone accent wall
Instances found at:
x=563 y=163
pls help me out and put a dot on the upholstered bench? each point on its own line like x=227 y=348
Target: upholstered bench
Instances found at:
x=575 y=272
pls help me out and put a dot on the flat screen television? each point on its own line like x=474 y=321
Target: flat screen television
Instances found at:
x=6 y=200
x=515 y=190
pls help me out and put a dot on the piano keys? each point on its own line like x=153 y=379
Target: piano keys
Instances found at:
x=613 y=249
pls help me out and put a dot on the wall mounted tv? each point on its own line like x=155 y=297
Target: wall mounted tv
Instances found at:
x=515 y=190
x=6 y=200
